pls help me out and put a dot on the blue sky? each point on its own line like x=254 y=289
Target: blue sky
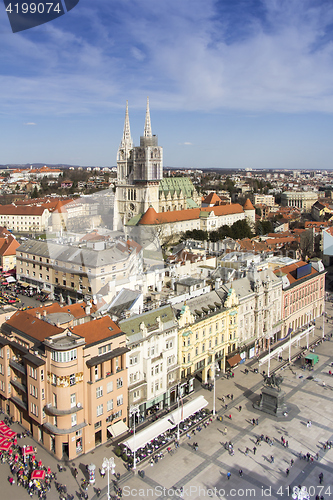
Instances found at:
x=232 y=83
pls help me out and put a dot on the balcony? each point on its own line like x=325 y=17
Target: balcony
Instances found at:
x=17 y=366
x=53 y=429
x=19 y=402
x=17 y=384
x=52 y=410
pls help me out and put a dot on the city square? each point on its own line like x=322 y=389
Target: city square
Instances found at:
x=203 y=473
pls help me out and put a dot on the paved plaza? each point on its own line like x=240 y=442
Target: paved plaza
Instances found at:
x=203 y=473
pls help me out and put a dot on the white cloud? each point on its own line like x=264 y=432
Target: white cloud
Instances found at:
x=30 y=123
x=185 y=55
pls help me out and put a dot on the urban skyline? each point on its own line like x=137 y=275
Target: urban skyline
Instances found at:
x=231 y=84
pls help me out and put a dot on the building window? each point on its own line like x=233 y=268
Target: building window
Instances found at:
x=98 y=424
x=109 y=405
x=43 y=393
x=73 y=400
x=99 y=391
x=109 y=387
x=34 y=409
x=74 y=419
x=33 y=391
x=72 y=379
x=119 y=382
x=33 y=372
x=104 y=349
x=42 y=375
x=99 y=410
x=133 y=360
x=64 y=356
x=120 y=400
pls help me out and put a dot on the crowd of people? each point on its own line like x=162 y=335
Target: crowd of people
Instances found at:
x=25 y=470
x=153 y=449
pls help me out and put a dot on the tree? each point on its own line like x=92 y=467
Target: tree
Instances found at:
x=241 y=229
x=34 y=193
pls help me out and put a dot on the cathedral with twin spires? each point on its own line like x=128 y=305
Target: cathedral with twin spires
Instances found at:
x=140 y=182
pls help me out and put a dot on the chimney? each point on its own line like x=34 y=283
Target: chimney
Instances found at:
x=87 y=309
x=38 y=316
x=44 y=313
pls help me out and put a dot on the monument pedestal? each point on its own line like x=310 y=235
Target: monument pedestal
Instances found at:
x=272 y=401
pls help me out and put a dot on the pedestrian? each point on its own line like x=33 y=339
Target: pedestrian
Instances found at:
x=257 y=421
x=287 y=472
x=228 y=475
x=321 y=477
x=98 y=492
x=230 y=417
x=272 y=459
x=232 y=396
x=246 y=451
x=240 y=473
x=287 y=444
x=239 y=408
x=225 y=430
x=291 y=462
x=254 y=450
x=282 y=440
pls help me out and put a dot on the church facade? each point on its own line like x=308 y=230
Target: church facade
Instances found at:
x=140 y=182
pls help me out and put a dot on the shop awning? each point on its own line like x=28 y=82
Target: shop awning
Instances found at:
x=148 y=434
x=187 y=410
x=234 y=360
x=23 y=284
x=117 y=428
x=10 y=279
x=165 y=423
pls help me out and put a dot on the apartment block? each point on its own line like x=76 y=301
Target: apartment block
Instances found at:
x=66 y=384
x=152 y=360
x=75 y=271
x=24 y=219
x=303 y=293
x=208 y=335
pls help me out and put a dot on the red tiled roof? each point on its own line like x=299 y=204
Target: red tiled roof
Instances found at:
x=151 y=217
x=97 y=329
x=291 y=271
x=8 y=245
x=212 y=199
x=21 y=210
x=32 y=326
x=248 y=205
x=77 y=310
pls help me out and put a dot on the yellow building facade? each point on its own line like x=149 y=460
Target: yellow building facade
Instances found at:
x=207 y=336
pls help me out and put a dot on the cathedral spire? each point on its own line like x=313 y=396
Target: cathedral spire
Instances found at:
x=147 y=132
x=127 y=139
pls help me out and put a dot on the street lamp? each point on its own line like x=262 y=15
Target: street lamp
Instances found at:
x=134 y=411
x=214 y=366
x=108 y=464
